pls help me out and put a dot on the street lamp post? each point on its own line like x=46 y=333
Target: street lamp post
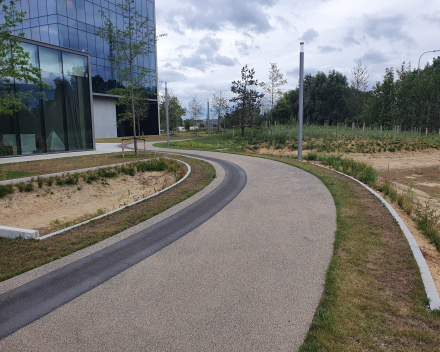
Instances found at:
x=166 y=113
x=430 y=51
x=301 y=98
x=209 y=130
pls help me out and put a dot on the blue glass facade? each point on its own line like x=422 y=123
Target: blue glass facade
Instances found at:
x=72 y=24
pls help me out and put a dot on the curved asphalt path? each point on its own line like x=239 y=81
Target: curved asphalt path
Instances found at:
x=246 y=275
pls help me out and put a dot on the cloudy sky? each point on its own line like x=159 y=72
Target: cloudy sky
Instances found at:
x=209 y=41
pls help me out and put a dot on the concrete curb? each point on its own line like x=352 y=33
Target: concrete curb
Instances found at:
x=428 y=282
x=126 y=206
x=13 y=232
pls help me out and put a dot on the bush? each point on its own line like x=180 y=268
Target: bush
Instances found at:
x=393 y=195
x=151 y=165
x=20 y=186
x=311 y=157
x=427 y=221
x=49 y=181
x=40 y=182
x=5 y=190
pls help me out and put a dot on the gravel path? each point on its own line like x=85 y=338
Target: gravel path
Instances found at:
x=249 y=278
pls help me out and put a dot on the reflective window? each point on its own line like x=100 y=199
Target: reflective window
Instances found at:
x=82 y=26
x=78 y=114
x=82 y=44
x=51 y=7
x=91 y=47
x=61 y=7
x=50 y=60
x=43 y=20
x=53 y=109
x=53 y=34
x=64 y=35
x=35 y=33
x=52 y=19
x=26 y=23
x=97 y=13
x=89 y=13
x=72 y=23
x=30 y=121
x=75 y=65
x=33 y=8
x=71 y=9
x=44 y=34
x=99 y=47
x=32 y=50
x=73 y=38
x=35 y=22
x=25 y=7
x=80 y=11
x=8 y=136
x=150 y=11
x=62 y=20
x=42 y=8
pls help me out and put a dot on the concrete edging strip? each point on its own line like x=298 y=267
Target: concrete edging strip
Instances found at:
x=428 y=282
x=14 y=232
x=129 y=205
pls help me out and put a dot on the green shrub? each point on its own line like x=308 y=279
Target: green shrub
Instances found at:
x=5 y=190
x=393 y=195
x=386 y=188
x=49 y=181
x=21 y=186
x=311 y=157
x=59 y=181
x=427 y=222
x=40 y=182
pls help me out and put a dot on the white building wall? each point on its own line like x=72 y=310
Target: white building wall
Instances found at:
x=104 y=115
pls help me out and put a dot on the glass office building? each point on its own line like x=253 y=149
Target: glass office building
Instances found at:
x=72 y=24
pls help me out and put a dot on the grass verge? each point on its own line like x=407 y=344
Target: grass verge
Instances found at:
x=19 y=255
x=374 y=298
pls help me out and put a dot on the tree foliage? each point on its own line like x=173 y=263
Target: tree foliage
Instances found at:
x=248 y=100
x=175 y=110
x=219 y=106
x=411 y=100
x=273 y=87
x=15 y=63
x=194 y=110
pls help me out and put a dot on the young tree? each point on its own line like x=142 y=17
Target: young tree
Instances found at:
x=248 y=100
x=134 y=40
x=359 y=86
x=175 y=110
x=273 y=87
x=15 y=63
x=219 y=105
x=194 y=110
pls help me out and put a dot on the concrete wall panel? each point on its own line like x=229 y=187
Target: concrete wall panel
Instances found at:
x=104 y=114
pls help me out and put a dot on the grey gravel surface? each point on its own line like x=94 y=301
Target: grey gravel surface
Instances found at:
x=248 y=279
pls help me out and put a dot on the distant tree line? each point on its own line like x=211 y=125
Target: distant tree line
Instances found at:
x=409 y=101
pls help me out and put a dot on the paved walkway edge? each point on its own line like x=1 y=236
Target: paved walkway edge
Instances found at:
x=428 y=282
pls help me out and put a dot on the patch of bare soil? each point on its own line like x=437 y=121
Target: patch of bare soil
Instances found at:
x=401 y=168
x=48 y=208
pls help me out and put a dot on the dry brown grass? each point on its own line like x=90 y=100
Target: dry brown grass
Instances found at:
x=18 y=255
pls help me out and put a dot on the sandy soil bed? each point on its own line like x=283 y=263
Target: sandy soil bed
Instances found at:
x=50 y=208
